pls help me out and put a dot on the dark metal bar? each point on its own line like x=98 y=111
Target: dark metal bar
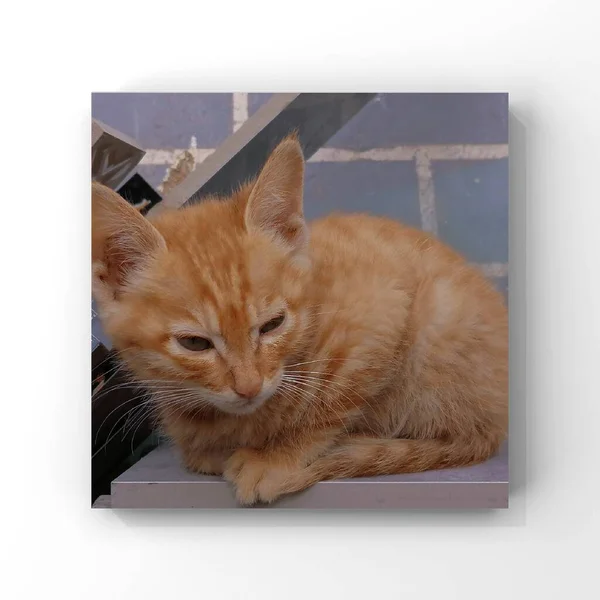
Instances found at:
x=314 y=117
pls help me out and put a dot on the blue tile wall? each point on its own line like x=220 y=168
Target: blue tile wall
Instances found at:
x=381 y=188
x=472 y=207
x=471 y=196
x=167 y=120
x=395 y=119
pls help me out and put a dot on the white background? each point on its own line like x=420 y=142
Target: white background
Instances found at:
x=545 y=53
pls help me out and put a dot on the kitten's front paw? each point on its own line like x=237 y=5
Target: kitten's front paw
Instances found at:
x=256 y=476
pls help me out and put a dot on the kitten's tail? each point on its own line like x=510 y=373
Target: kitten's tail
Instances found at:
x=369 y=457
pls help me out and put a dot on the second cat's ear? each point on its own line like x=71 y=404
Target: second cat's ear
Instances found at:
x=275 y=203
x=122 y=241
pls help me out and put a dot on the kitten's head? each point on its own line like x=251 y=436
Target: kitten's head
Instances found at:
x=208 y=298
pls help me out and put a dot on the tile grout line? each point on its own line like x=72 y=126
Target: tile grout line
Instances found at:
x=426 y=192
x=169 y=157
x=240 y=109
x=408 y=152
x=399 y=153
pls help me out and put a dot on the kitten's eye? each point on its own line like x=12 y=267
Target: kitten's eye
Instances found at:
x=272 y=324
x=194 y=343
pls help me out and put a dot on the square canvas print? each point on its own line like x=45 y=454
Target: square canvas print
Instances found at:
x=300 y=300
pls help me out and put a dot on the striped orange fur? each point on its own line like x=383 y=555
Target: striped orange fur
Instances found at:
x=280 y=355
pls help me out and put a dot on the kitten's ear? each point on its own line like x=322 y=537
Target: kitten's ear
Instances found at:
x=275 y=203
x=122 y=239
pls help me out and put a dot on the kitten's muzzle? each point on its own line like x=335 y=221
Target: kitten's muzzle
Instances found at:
x=248 y=386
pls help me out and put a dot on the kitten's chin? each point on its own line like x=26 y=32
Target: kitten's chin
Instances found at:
x=241 y=407
x=238 y=410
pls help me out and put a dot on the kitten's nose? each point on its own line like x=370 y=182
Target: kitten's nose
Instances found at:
x=248 y=386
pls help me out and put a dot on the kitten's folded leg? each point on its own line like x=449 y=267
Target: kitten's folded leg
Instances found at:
x=262 y=475
x=363 y=457
x=370 y=457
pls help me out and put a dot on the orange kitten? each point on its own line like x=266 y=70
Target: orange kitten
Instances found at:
x=280 y=356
